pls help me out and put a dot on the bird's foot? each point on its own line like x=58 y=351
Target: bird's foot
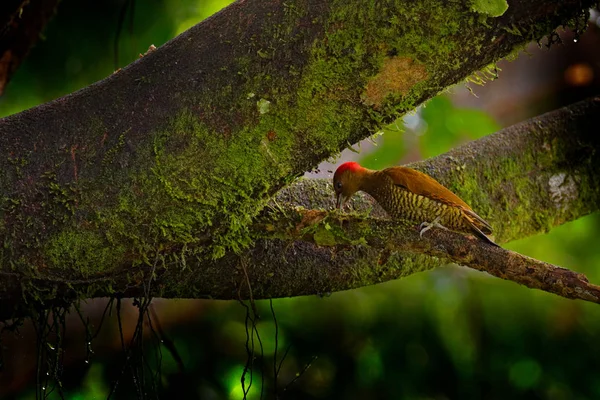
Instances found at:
x=425 y=226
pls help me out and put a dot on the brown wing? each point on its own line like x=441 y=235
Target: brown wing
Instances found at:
x=424 y=185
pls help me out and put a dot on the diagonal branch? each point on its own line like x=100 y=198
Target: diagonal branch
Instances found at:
x=397 y=240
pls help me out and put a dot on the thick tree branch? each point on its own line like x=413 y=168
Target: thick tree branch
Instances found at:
x=301 y=251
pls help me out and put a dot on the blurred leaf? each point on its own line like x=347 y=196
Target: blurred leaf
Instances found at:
x=232 y=381
x=95 y=386
x=447 y=126
x=390 y=147
x=525 y=374
x=370 y=366
x=191 y=12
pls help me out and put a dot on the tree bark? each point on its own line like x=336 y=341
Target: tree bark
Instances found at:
x=173 y=158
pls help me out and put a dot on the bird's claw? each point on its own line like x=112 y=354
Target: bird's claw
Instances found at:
x=425 y=226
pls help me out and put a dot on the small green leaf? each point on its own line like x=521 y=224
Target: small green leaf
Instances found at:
x=263 y=106
x=493 y=8
x=324 y=237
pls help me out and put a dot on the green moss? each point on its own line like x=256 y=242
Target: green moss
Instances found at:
x=111 y=153
x=493 y=8
x=514 y=192
x=324 y=237
x=391 y=265
x=200 y=188
x=327 y=98
x=85 y=252
x=263 y=106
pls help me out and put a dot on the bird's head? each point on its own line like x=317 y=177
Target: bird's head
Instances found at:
x=347 y=181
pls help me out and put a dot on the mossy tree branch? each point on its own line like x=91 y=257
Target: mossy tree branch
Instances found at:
x=173 y=157
x=400 y=251
x=548 y=176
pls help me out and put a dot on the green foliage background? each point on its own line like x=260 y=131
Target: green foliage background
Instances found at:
x=448 y=333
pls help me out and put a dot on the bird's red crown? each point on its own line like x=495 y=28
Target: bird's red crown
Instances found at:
x=351 y=166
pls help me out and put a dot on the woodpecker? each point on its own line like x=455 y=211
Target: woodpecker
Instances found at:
x=408 y=194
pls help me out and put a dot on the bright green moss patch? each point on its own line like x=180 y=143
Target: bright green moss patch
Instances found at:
x=83 y=251
x=370 y=56
x=324 y=237
x=493 y=8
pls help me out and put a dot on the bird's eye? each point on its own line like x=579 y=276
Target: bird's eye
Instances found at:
x=338 y=185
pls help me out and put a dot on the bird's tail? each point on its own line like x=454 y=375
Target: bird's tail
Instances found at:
x=479 y=226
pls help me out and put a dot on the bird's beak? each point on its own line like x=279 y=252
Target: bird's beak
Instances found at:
x=339 y=201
